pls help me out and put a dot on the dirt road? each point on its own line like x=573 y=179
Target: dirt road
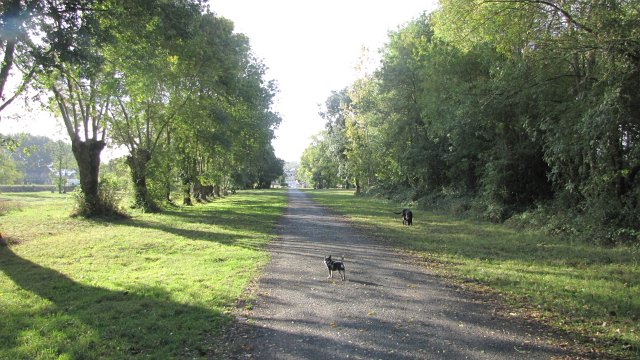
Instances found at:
x=388 y=308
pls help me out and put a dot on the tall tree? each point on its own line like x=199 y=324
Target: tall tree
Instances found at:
x=83 y=95
x=577 y=64
x=62 y=41
x=318 y=167
x=413 y=122
x=148 y=49
x=335 y=113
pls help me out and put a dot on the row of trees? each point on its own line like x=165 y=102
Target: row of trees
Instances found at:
x=510 y=103
x=37 y=160
x=167 y=79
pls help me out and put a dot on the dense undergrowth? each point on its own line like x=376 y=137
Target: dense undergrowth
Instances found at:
x=600 y=222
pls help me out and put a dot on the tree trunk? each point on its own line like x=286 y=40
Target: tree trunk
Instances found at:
x=87 y=154
x=167 y=193
x=137 y=162
x=60 y=182
x=186 y=193
x=358 y=188
x=186 y=189
x=197 y=191
x=11 y=11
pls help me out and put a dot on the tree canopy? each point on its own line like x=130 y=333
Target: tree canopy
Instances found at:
x=506 y=106
x=167 y=79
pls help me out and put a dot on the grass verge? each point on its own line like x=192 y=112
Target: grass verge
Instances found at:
x=589 y=291
x=157 y=285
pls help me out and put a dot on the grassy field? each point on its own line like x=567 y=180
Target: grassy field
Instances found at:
x=164 y=285
x=156 y=285
x=589 y=291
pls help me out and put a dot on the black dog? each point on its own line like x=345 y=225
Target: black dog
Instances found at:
x=407 y=216
x=335 y=266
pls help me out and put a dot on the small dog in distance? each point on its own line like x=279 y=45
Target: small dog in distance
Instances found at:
x=407 y=217
x=333 y=265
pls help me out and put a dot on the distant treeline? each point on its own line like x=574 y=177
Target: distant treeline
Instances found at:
x=33 y=188
x=37 y=160
x=521 y=110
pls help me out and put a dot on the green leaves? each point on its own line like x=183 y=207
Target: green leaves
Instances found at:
x=513 y=102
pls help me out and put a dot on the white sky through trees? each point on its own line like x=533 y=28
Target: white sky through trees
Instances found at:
x=312 y=48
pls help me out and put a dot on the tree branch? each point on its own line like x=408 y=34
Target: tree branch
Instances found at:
x=557 y=8
x=64 y=112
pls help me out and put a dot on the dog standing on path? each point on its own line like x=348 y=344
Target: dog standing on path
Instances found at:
x=333 y=265
x=407 y=216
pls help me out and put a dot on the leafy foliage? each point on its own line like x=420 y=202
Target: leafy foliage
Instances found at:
x=513 y=104
x=168 y=80
x=317 y=167
x=9 y=173
x=108 y=202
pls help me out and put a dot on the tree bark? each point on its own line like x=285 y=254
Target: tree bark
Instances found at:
x=87 y=154
x=137 y=162
x=186 y=189
x=60 y=182
x=10 y=14
x=197 y=191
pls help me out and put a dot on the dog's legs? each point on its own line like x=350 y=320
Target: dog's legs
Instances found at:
x=330 y=275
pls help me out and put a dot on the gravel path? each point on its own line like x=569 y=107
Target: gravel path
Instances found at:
x=388 y=308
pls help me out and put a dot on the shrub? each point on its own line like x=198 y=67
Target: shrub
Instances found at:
x=108 y=200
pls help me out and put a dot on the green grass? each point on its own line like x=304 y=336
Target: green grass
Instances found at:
x=590 y=291
x=157 y=285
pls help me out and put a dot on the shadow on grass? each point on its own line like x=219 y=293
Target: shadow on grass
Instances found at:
x=194 y=234
x=82 y=321
x=238 y=221
x=230 y=229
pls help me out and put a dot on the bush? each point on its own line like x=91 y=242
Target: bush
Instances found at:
x=108 y=200
x=496 y=213
x=604 y=219
x=601 y=222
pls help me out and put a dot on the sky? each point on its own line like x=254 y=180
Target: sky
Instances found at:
x=310 y=48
